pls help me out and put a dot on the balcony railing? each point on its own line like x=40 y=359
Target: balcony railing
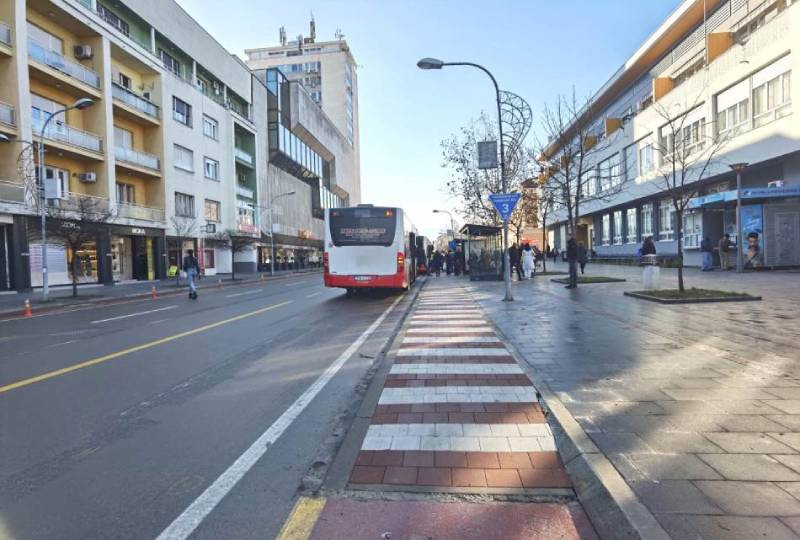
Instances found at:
x=244 y=192
x=248 y=228
x=56 y=61
x=243 y=155
x=142 y=159
x=80 y=203
x=7 y=115
x=11 y=192
x=120 y=93
x=5 y=34
x=57 y=131
x=135 y=211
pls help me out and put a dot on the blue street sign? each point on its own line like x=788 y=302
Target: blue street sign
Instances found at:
x=504 y=203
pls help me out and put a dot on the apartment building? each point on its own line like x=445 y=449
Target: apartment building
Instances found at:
x=727 y=66
x=175 y=143
x=327 y=69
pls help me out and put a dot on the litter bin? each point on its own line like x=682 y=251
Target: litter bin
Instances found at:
x=650 y=272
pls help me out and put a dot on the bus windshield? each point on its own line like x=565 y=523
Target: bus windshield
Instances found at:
x=363 y=226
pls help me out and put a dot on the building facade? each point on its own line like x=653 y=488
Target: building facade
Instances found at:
x=175 y=145
x=725 y=68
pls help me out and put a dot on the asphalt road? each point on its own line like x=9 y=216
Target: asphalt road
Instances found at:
x=115 y=419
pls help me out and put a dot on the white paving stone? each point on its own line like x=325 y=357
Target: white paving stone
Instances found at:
x=457 y=394
x=524 y=444
x=548 y=444
x=445 y=351
x=455 y=369
x=376 y=443
x=465 y=444
x=421 y=430
x=451 y=339
x=450 y=330
x=504 y=430
x=449 y=430
x=405 y=442
x=535 y=430
x=456 y=437
x=440 y=444
x=477 y=430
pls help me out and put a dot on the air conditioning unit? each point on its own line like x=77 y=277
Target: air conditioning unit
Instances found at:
x=775 y=183
x=83 y=52
x=88 y=177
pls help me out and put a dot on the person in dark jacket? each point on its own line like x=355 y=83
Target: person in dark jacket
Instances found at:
x=583 y=256
x=450 y=262
x=513 y=256
x=707 y=249
x=648 y=246
x=436 y=263
x=572 y=259
x=192 y=269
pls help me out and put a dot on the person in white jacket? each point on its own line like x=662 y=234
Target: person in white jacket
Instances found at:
x=528 y=262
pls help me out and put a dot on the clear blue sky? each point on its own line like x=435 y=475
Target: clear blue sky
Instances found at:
x=535 y=48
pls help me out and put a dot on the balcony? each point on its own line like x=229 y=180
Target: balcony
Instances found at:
x=80 y=203
x=5 y=37
x=144 y=213
x=11 y=192
x=71 y=138
x=137 y=161
x=247 y=228
x=245 y=193
x=73 y=70
x=135 y=104
x=7 y=117
x=244 y=157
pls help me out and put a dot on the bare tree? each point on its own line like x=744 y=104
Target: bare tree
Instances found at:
x=234 y=242
x=569 y=157
x=184 y=227
x=74 y=222
x=689 y=151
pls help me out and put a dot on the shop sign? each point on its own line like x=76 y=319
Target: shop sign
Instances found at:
x=759 y=193
x=138 y=230
x=752 y=242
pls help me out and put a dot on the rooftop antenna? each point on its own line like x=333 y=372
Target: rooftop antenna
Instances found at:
x=312 y=28
x=282 y=35
x=338 y=34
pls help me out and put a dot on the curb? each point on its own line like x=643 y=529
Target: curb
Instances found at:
x=712 y=300
x=59 y=307
x=612 y=506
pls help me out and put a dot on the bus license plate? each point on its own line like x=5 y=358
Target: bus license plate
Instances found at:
x=363 y=278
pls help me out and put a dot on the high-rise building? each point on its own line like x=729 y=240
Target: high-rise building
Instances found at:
x=181 y=141
x=722 y=71
x=327 y=70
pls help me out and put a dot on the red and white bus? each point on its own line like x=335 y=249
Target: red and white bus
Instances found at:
x=369 y=247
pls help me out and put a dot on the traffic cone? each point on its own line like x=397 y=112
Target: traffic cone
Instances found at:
x=153 y=293
x=27 y=311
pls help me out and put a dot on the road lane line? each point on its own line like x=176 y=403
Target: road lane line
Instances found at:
x=300 y=523
x=243 y=293
x=134 y=314
x=190 y=519
x=143 y=346
x=312 y=295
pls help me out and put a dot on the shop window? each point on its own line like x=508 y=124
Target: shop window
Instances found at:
x=631 y=232
x=606 y=229
x=208 y=258
x=618 y=227
x=692 y=229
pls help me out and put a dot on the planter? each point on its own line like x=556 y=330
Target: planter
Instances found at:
x=691 y=296
x=589 y=280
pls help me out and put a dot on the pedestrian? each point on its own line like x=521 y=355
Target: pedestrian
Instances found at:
x=192 y=269
x=572 y=259
x=707 y=249
x=436 y=263
x=528 y=263
x=513 y=257
x=725 y=246
x=450 y=261
x=648 y=246
x=547 y=251
x=458 y=259
x=583 y=256
x=554 y=254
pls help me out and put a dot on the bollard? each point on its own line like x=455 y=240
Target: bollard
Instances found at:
x=153 y=293
x=27 y=311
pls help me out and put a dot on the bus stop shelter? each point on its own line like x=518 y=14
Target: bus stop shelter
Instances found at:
x=483 y=252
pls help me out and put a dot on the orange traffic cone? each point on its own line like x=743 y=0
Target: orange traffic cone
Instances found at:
x=153 y=293
x=27 y=311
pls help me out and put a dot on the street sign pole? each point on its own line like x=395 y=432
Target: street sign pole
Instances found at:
x=504 y=203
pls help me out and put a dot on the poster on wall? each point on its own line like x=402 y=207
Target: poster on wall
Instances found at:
x=752 y=243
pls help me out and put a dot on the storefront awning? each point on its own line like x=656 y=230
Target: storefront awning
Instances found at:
x=747 y=194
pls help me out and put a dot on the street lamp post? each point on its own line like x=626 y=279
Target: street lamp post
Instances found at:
x=435 y=63
x=452 y=223
x=739 y=168
x=79 y=104
x=272 y=232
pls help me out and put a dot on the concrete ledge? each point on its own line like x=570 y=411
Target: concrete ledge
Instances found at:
x=650 y=298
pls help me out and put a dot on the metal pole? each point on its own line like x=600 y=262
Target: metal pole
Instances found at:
x=271 y=242
x=43 y=215
x=739 y=261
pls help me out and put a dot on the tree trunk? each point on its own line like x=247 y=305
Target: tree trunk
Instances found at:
x=179 y=262
x=544 y=242
x=233 y=271
x=679 y=232
x=74 y=274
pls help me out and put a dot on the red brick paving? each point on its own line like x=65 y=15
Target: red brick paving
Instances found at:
x=469 y=477
x=507 y=478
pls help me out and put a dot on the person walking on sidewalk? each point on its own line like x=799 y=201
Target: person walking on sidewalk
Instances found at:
x=583 y=256
x=513 y=258
x=725 y=246
x=707 y=249
x=572 y=259
x=192 y=269
x=528 y=264
x=436 y=263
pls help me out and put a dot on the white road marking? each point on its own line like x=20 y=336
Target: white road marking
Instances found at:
x=62 y=343
x=458 y=394
x=455 y=369
x=451 y=351
x=243 y=293
x=477 y=321
x=450 y=330
x=135 y=314
x=188 y=521
x=312 y=295
x=450 y=339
